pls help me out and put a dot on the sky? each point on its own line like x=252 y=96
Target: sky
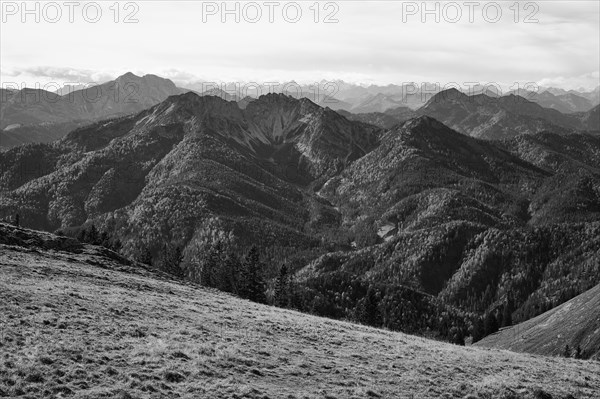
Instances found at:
x=551 y=43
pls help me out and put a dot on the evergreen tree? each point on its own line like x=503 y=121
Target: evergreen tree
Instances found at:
x=567 y=351
x=369 y=311
x=229 y=273
x=92 y=236
x=457 y=336
x=211 y=265
x=296 y=298
x=116 y=245
x=491 y=323
x=17 y=221
x=282 y=291
x=507 y=313
x=81 y=235
x=578 y=354
x=209 y=257
x=170 y=260
x=105 y=240
x=253 y=284
x=145 y=256
x=478 y=329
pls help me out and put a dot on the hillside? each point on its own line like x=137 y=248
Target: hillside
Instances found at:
x=556 y=153
x=575 y=323
x=134 y=333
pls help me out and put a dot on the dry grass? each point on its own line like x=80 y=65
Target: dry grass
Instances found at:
x=74 y=329
x=574 y=323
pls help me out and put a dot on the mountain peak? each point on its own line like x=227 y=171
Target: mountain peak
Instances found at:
x=276 y=97
x=192 y=99
x=424 y=122
x=182 y=106
x=446 y=96
x=128 y=76
x=281 y=100
x=451 y=93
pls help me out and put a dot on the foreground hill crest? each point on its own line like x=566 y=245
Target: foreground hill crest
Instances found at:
x=139 y=331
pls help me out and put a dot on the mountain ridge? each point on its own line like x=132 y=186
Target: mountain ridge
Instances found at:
x=501 y=117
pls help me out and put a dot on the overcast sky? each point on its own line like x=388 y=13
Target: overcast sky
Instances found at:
x=373 y=42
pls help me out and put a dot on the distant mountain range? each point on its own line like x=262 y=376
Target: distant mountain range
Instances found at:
x=367 y=99
x=33 y=116
x=487 y=116
x=502 y=117
x=568 y=102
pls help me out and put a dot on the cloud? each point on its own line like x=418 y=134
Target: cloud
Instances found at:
x=587 y=81
x=47 y=74
x=180 y=77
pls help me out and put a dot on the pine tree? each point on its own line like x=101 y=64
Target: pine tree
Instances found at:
x=116 y=245
x=211 y=265
x=296 y=299
x=145 y=256
x=92 y=235
x=457 y=336
x=253 y=285
x=491 y=323
x=567 y=351
x=507 y=313
x=209 y=257
x=578 y=354
x=82 y=235
x=369 y=312
x=229 y=273
x=105 y=240
x=478 y=329
x=17 y=221
x=170 y=260
x=282 y=291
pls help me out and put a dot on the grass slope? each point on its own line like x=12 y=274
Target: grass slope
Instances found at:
x=574 y=323
x=81 y=322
